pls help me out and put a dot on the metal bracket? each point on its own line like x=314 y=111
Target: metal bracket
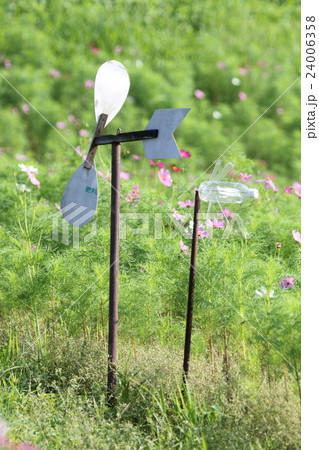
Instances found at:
x=125 y=137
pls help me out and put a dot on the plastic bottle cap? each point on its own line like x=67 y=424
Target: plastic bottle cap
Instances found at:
x=253 y=193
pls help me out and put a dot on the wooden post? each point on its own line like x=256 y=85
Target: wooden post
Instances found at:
x=92 y=150
x=191 y=287
x=114 y=272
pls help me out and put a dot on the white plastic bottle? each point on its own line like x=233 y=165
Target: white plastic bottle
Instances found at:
x=225 y=192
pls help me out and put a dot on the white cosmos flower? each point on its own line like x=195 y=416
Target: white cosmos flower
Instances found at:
x=217 y=115
x=23 y=167
x=29 y=169
x=236 y=81
x=23 y=188
x=264 y=293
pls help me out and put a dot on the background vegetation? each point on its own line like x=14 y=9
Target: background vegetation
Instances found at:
x=229 y=61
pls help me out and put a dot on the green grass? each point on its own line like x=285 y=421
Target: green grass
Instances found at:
x=59 y=401
x=244 y=384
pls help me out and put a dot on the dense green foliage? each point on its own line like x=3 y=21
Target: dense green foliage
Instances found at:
x=244 y=383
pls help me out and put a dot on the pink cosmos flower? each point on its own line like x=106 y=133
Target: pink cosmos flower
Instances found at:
x=185 y=154
x=160 y=203
x=61 y=125
x=133 y=196
x=71 y=118
x=125 y=175
x=287 y=283
x=31 y=172
x=199 y=94
x=280 y=111
x=33 y=247
x=221 y=65
x=202 y=233
x=245 y=177
x=243 y=70
x=7 y=63
x=14 y=111
x=153 y=163
x=242 y=96
x=25 y=108
x=54 y=73
x=95 y=50
x=187 y=203
x=136 y=157
x=184 y=247
x=297 y=236
x=88 y=84
x=84 y=133
x=178 y=216
x=34 y=180
x=288 y=190
x=297 y=188
x=268 y=184
x=165 y=177
x=102 y=175
x=175 y=168
x=213 y=223
x=21 y=157
x=278 y=245
x=4 y=442
x=226 y=213
x=118 y=49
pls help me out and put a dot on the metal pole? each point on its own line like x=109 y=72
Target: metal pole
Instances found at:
x=191 y=288
x=114 y=271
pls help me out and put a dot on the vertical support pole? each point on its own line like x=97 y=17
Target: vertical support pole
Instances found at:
x=114 y=272
x=191 y=287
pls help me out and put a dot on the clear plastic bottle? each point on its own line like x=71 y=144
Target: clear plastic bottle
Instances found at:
x=225 y=192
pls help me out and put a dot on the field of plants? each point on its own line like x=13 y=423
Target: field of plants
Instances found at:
x=237 y=66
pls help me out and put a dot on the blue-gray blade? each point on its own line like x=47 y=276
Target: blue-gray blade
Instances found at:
x=165 y=121
x=79 y=200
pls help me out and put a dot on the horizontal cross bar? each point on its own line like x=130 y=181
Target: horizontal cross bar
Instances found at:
x=125 y=137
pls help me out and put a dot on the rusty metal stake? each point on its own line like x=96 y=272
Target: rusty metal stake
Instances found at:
x=191 y=287
x=114 y=272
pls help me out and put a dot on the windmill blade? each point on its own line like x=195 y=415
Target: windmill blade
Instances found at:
x=79 y=200
x=165 y=121
x=111 y=87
